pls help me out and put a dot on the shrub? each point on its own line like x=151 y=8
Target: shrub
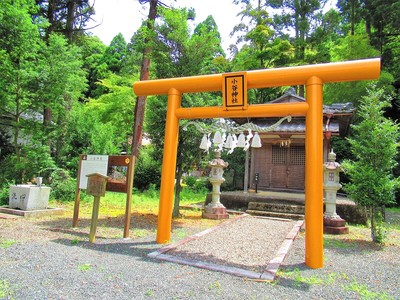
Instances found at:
x=33 y=159
x=190 y=181
x=374 y=147
x=63 y=186
x=147 y=169
x=4 y=193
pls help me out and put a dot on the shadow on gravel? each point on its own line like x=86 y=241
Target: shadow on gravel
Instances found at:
x=141 y=221
x=207 y=258
x=129 y=247
x=346 y=246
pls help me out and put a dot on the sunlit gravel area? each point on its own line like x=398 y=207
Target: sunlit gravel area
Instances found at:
x=52 y=261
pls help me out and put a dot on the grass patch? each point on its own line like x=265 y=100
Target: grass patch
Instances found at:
x=331 y=242
x=7 y=243
x=5 y=290
x=216 y=285
x=299 y=280
x=144 y=210
x=113 y=204
x=393 y=218
x=363 y=291
x=85 y=267
x=75 y=242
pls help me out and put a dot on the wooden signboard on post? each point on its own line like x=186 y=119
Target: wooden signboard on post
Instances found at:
x=118 y=168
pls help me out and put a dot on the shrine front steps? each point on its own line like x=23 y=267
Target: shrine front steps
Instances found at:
x=276 y=210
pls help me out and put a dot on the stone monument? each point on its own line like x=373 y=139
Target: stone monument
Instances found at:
x=333 y=223
x=215 y=209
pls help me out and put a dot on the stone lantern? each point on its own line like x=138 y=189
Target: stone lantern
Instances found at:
x=215 y=209
x=333 y=223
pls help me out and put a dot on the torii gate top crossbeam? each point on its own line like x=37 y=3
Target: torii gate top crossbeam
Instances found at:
x=365 y=69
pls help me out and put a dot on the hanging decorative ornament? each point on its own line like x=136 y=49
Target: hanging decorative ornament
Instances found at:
x=217 y=137
x=204 y=143
x=233 y=144
x=223 y=128
x=228 y=143
x=241 y=140
x=248 y=138
x=256 y=141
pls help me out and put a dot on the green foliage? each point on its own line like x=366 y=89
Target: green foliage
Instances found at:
x=115 y=106
x=196 y=184
x=92 y=50
x=115 y=54
x=352 y=47
x=84 y=267
x=190 y=181
x=28 y=165
x=87 y=134
x=63 y=186
x=5 y=192
x=378 y=229
x=147 y=169
x=374 y=147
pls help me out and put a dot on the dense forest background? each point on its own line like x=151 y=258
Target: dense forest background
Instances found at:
x=64 y=93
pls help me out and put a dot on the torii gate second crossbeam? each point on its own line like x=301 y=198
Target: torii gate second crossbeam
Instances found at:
x=312 y=76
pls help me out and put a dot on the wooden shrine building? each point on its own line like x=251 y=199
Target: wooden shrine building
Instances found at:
x=280 y=162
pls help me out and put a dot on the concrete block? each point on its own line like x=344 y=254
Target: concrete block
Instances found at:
x=29 y=197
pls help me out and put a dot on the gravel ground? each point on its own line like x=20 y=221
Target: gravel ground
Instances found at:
x=51 y=261
x=233 y=245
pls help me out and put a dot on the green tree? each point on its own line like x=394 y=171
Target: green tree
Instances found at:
x=267 y=49
x=352 y=12
x=115 y=106
x=61 y=81
x=65 y=17
x=92 y=51
x=88 y=134
x=174 y=53
x=262 y=49
x=115 y=54
x=19 y=49
x=353 y=47
x=300 y=17
x=374 y=146
x=140 y=106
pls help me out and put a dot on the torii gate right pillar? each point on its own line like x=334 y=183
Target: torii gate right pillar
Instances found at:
x=314 y=175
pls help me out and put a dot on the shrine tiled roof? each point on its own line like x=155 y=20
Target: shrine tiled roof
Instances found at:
x=295 y=126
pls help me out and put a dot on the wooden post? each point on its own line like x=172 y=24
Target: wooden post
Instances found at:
x=77 y=195
x=129 y=187
x=95 y=217
x=96 y=187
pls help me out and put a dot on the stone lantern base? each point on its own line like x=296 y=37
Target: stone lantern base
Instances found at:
x=335 y=225
x=215 y=212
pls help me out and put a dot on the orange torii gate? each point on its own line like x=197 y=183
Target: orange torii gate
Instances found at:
x=312 y=76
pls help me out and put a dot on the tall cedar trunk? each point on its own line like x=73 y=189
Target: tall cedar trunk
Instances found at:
x=69 y=30
x=47 y=113
x=352 y=17
x=144 y=75
x=377 y=219
x=179 y=172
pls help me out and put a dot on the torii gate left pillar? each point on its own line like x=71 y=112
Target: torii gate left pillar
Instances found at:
x=312 y=76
